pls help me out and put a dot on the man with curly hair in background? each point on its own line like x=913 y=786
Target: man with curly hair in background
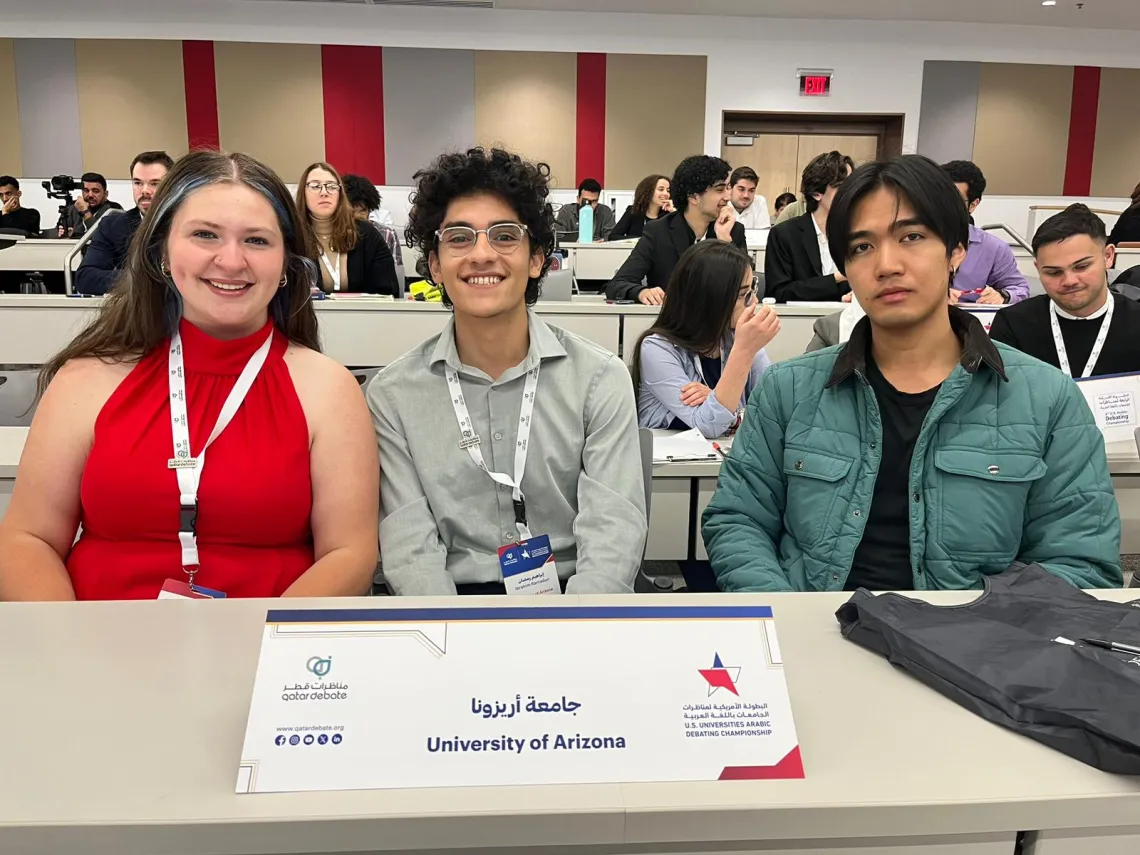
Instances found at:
x=502 y=431
x=701 y=194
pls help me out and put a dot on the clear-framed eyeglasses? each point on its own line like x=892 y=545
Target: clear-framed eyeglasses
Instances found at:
x=504 y=237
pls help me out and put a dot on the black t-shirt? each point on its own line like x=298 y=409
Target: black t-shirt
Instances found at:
x=882 y=559
x=1026 y=326
x=24 y=219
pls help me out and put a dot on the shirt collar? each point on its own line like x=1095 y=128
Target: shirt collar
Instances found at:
x=818 y=231
x=1099 y=313
x=544 y=344
x=976 y=234
x=976 y=348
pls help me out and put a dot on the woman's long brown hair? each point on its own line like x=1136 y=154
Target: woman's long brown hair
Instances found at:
x=142 y=310
x=344 y=231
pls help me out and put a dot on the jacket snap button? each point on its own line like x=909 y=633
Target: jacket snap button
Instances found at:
x=993 y=470
x=858 y=513
x=799 y=465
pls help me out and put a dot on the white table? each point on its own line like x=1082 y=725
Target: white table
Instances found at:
x=600 y=261
x=43 y=255
x=123 y=725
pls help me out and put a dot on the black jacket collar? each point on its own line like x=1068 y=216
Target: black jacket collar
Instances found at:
x=681 y=234
x=976 y=348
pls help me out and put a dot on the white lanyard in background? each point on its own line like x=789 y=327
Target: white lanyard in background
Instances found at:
x=1098 y=345
x=187 y=468
x=470 y=441
x=333 y=269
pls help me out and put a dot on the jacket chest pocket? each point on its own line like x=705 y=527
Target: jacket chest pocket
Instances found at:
x=982 y=497
x=814 y=481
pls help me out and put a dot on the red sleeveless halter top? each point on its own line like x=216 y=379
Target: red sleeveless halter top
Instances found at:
x=255 y=498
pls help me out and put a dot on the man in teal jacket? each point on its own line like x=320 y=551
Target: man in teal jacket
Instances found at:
x=919 y=455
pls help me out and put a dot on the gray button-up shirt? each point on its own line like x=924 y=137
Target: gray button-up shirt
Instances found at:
x=442 y=519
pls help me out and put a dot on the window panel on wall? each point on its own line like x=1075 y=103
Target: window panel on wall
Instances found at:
x=1116 y=158
x=1022 y=133
x=642 y=136
x=132 y=98
x=271 y=104
x=527 y=103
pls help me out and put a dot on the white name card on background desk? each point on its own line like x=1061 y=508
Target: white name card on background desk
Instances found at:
x=463 y=697
x=1113 y=400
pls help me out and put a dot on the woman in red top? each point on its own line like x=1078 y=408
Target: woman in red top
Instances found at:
x=208 y=340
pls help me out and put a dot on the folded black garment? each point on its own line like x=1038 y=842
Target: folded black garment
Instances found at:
x=997 y=657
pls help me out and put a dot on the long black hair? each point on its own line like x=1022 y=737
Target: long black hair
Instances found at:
x=699 y=300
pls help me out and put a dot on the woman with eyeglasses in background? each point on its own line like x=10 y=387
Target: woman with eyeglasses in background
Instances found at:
x=352 y=256
x=697 y=364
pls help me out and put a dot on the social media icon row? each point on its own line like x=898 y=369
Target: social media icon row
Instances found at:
x=309 y=739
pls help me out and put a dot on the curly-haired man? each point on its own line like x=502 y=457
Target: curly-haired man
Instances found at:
x=508 y=448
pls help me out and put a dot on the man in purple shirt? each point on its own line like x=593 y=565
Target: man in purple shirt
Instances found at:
x=989 y=275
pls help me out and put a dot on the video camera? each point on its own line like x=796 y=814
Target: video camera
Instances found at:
x=62 y=186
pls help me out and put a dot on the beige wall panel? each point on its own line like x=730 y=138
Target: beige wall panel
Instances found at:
x=527 y=102
x=1116 y=158
x=132 y=98
x=271 y=104
x=11 y=162
x=1022 y=132
x=655 y=115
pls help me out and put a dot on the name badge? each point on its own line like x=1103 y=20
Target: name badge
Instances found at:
x=177 y=589
x=528 y=567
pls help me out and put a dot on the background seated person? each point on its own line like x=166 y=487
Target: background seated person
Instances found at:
x=794 y=208
x=651 y=201
x=106 y=254
x=350 y=253
x=920 y=455
x=835 y=328
x=798 y=265
x=751 y=210
x=365 y=201
x=500 y=391
x=989 y=275
x=703 y=356
x=1078 y=324
x=89 y=207
x=12 y=215
x=218 y=286
x=782 y=202
x=700 y=196
x=589 y=193
x=1127 y=228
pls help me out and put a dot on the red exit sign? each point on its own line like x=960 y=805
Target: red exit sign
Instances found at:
x=815 y=84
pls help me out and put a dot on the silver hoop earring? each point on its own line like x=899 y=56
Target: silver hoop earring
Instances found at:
x=165 y=270
x=284 y=280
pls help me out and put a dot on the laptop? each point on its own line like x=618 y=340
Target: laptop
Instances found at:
x=558 y=286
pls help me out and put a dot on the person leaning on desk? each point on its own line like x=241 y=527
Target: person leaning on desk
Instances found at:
x=703 y=356
x=211 y=329
x=1008 y=465
x=701 y=197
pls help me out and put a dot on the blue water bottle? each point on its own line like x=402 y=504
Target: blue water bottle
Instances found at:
x=586 y=224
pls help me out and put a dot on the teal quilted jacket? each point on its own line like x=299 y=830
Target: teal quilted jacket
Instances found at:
x=1009 y=467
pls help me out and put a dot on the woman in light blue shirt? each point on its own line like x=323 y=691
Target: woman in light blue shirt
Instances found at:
x=697 y=364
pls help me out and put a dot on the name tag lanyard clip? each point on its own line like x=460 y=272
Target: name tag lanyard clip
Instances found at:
x=470 y=441
x=189 y=469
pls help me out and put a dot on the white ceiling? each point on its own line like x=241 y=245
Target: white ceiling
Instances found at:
x=1095 y=14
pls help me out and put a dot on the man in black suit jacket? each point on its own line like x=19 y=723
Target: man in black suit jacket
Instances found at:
x=107 y=250
x=700 y=196
x=797 y=263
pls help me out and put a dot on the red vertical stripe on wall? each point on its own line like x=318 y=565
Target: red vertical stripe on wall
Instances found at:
x=1082 y=131
x=353 y=80
x=201 y=95
x=590 y=158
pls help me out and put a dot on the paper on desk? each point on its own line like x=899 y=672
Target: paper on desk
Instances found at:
x=1113 y=401
x=687 y=445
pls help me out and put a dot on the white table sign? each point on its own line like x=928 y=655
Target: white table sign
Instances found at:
x=1113 y=401
x=517 y=695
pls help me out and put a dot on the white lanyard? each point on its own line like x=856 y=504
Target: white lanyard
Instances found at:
x=470 y=441
x=333 y=269
x=1098 y=345
x=189 y=469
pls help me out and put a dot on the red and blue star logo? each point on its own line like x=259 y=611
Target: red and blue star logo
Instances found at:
x=720 y=677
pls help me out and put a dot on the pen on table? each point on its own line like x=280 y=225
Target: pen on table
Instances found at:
x=1113 y=645
x=720 y=451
